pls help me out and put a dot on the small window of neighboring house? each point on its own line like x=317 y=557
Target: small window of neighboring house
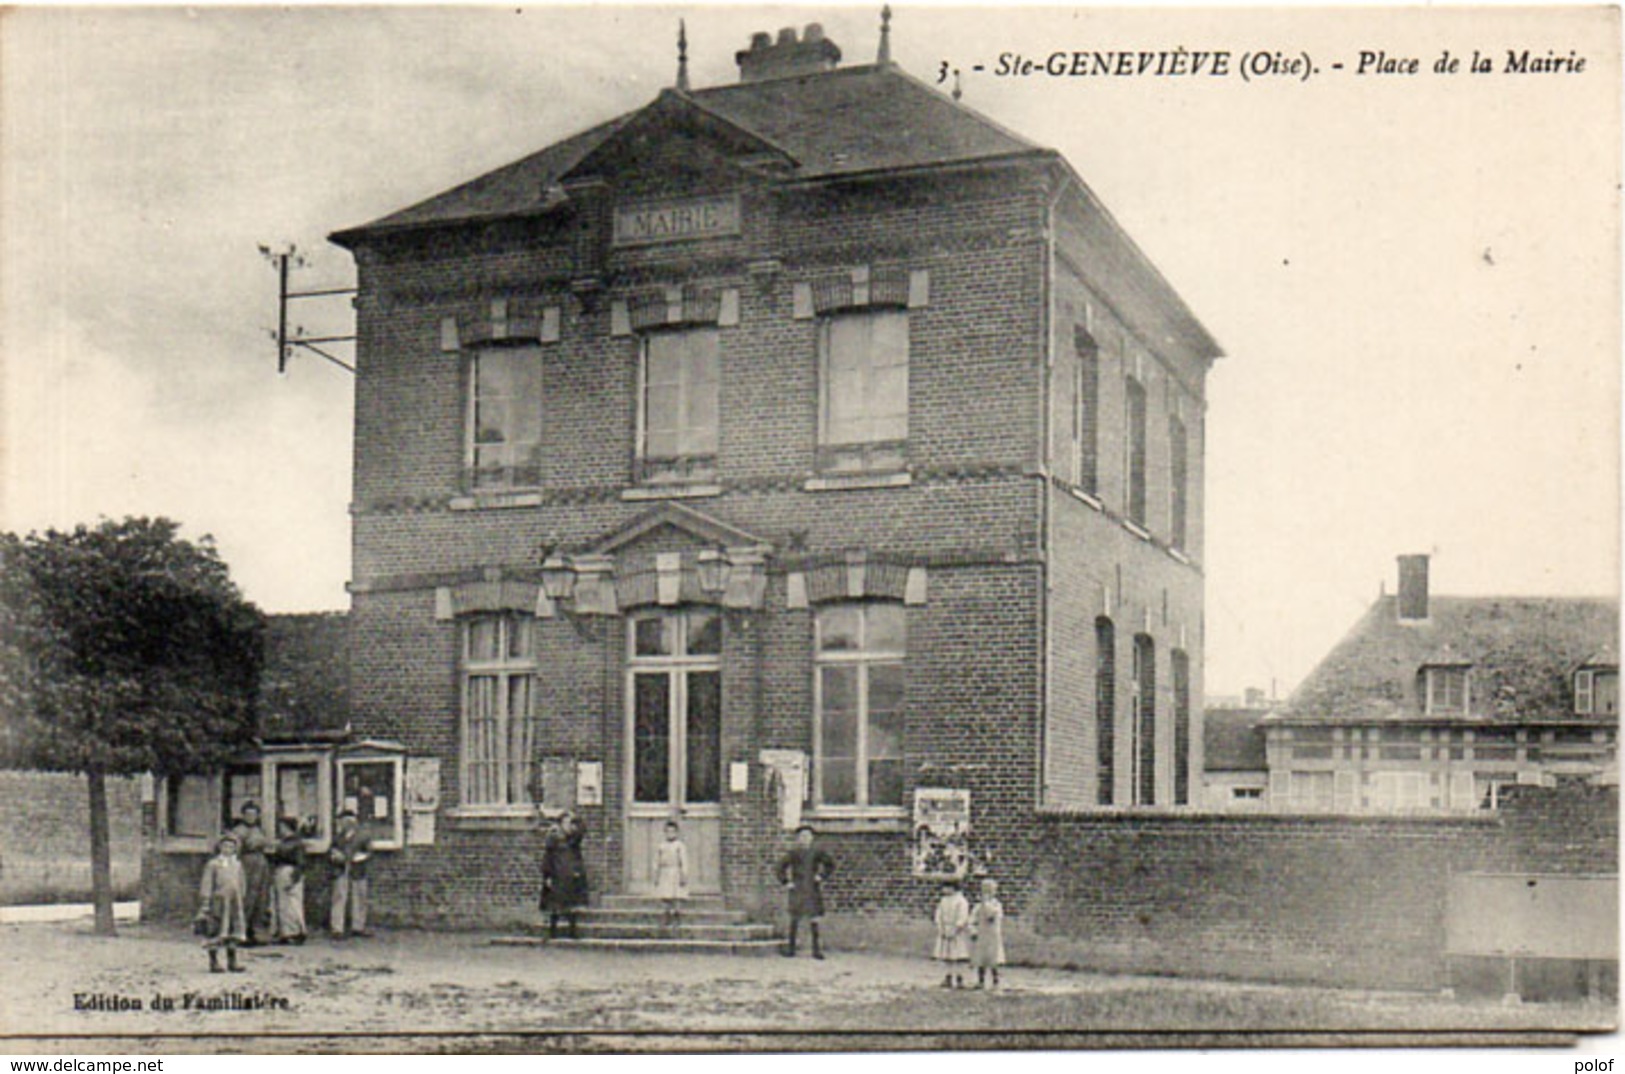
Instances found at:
x=1596 y=692
x=1487 y=787
x=1311 y=791
x=1446 y=689
x=863 y=391
x=1397 y=792
x=504 y=416
x=1247 y=792
x=677 y=414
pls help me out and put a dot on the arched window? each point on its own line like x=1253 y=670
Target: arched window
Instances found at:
x=1105 y=710
x=1180 y=665
x=1145 y=720
x=1135 y=506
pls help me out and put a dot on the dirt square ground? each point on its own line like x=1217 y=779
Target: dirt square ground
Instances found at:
x=60 y=981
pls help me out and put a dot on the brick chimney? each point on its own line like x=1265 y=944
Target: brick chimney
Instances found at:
x=1413 y=588
x=767 y=58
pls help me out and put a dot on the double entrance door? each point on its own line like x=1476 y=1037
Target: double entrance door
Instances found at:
x=674 y=745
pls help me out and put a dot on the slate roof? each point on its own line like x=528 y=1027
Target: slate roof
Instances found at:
x=304 y=687
x=842 y=122
x=1233 y=740
x=1523 y=652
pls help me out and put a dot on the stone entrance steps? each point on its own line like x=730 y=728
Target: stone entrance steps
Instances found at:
x=636 y=923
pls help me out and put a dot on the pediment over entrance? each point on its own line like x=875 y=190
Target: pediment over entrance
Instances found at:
x=672 y=527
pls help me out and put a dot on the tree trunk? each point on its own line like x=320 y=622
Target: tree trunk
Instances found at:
x=101 y=863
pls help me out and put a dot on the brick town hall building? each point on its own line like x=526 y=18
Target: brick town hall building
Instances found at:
x=779 y=449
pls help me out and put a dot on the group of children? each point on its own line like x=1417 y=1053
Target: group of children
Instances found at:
x=967 y=934
x=251 y=884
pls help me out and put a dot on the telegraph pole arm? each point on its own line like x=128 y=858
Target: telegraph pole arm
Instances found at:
x=286 y=341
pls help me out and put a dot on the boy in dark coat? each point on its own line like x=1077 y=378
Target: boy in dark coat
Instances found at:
x=802 y=872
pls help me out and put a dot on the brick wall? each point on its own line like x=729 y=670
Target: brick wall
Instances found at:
x=1335 y=900
x=45 y=840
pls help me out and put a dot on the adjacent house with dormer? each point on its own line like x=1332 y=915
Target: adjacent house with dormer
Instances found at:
x=1434 y=703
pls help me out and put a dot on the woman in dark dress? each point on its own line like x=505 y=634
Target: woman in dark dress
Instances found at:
x=564 y=874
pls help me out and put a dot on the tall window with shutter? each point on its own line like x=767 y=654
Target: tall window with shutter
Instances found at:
x=1180 y=667
x=1085 y=410
x=1105 y=711
x=1178 y=480
x=1145 y=720
x=1136 y=498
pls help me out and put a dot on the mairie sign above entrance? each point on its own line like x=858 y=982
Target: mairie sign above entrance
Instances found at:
x=677 y=221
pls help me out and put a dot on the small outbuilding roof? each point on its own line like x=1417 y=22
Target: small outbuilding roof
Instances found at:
x=305 y=683
x=1233 y=739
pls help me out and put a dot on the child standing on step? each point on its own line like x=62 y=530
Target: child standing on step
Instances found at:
x=987 y=934
x=222 y=916
x=671 y=875
x=953 y=934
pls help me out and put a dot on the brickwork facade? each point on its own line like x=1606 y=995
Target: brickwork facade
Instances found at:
x=968 y=514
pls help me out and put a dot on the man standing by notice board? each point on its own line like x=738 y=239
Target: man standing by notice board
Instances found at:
x=349 y=855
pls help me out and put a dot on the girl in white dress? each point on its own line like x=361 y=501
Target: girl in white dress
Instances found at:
x=953 y=934
x=987 y=934
x=671 y=874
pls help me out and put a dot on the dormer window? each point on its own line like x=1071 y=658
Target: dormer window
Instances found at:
x=1446 y=690
x=1596 y=692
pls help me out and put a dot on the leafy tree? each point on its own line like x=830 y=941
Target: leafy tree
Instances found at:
x=123 y=649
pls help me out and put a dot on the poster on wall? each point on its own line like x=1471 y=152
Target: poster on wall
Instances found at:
x=941 y=843
x=422 y=784
x=590 y=783
x=790 y=766
x=559 y=784
x=420 y=829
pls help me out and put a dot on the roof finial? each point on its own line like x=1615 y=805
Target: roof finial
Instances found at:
x=958 y=90
x=884 y=55
x=682 y=57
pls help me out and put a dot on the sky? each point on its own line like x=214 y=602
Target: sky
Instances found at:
x=1415 y=278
